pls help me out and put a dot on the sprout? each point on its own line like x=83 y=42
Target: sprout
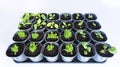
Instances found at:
x=50 y=47
x=69 y=48
x=90 y=16
x=67 y=34
x=32 y=47
x=35 y=35
x=111 y=50
x=99 y=35
x=82 y=33
x=65 y=25
x=52 y=25
x=93 y=24
x=86 y=47
x=52 y=16
x=65 y=15
x=77 y=16
x=21 y=34
x=39 y=23
x=52 y=35
x=43 y=16
x=80 y=23
x=14 y=49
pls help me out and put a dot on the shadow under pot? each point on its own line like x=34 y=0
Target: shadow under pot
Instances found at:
x=78 y=16
x=52 y=36
x=21 y=36
x=52 y=25
x=36 y=36
x=85 y=51
x=66 y=25
x=34 y=51
x=98 y=36
x=15 y=51
x=53 y=16
x=67 y=36
x=93 y=25
x=103 y=51
x=82 y=35
x=68 y=52
x=39 y=25
x=51 y=52
x=65 y=16
x=42 y=16
x=80 y=25
x=90 y=16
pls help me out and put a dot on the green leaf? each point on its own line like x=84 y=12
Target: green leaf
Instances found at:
x=105 y=46
x=64 y=23
x=35 y=26
x=50 y=47
x=85 y=52
x=56 y=25
x=69 y=48
x=19 y=25
x=80 y=23
x=35 y=35
x=99 y=35
x=89 y=49
x=84 y=44
x=67 y=34
x=52 y=35
x=102 y=51
x=32 y=47
x=43 y=16
x=112 y=50
x=21 y=34
x=14 y=49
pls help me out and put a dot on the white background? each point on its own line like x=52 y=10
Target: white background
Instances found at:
x=108 y=12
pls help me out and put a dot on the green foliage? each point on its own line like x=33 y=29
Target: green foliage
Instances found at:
x=52 y=16
x=64 y=24
x=82 y=33
x=99 y=35
x=111 y=50
x=14 y=49
x=50 y=47
x=52 y=25
x=90 y=16
x=35 y=35
x=66 y=15
x=67 y=34
x=21 y=34
x=69 y=48
x=80 y=23
x=52 y=35
x=93 y=24
x=32 y=47
x=77 y=16
x=39 y=23
x=86 y=47
x=41 y=15
x=24 y=24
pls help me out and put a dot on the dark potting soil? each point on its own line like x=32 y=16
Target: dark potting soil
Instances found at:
x=52 y=39
x=16 y=37
x=66 y=27
x=99 y=39
x=81 y=17
x=20 y=50
x=99 y=47
x=41 y=35
x=55 y=18
x=52 y=53
x=67 y=39
x=81 y=51
x=92 y=27
x=80 y=38
x=25 y=27
x=65 y=18
x=94 y=16
x=36 y=53
x=64 y=53
x=84 y=26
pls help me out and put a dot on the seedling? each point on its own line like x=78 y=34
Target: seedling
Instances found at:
x=111 y=50
x=32 y=47
x=69 y=48
x=52 y=25
x=14 y=49
x=77 y=16
x=65 y=25
x=94 y=24
x=80 y=23
x=66 y=15
x=82 y=33
x=67 y=34
x=24 y=24
x=43 y=16
x=99 y=35
x=52 y=16
x=90 y=16
x=21 y=34
x=52 y=35
x=86 y=47
x=35 y=35
x=40 y=24
x=50 y=47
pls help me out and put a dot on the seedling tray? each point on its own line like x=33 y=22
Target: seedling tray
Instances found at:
x=58 y=30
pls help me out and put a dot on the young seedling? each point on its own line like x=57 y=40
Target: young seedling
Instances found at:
x=52 y=25
x=41 y=15
x=24 y=24
x=64 y=25
x=90 y=16
x=35 y=35
x=52 y=16
x=82 y=33
x=21 y=34
x=69 y=48
x=66 y=15
x=94 y=24
x=86 y=47
x=26 y=17
x=40 y=24
x=14 y=49
x=99 y=35
x=80 y=23
x=32 y=47
x=77 y=16
x=67 y=34
x=50 y=47
x=111 y=50
x=52 y=35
